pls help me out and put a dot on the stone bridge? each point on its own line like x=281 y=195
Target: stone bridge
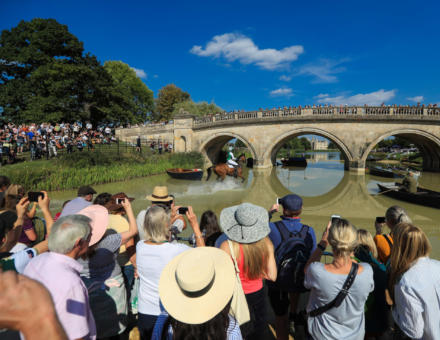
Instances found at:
x=355 y=130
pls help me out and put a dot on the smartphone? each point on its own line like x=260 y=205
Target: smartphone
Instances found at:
x=335 y=217
x=33 y=195
x=380 y=219
x=278 y=201
x=183 y=210
x=120 y=200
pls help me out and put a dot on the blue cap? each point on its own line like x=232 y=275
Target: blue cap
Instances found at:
x=292 y=202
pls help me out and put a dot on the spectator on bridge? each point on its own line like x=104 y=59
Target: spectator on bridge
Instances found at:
x=58 y=270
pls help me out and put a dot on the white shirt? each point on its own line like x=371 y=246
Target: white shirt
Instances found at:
x=417 y=300
x=150 y=260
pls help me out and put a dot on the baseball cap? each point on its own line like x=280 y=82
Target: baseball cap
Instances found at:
x=292 y=202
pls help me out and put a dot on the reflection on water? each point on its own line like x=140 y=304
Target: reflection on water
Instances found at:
x=324 y=185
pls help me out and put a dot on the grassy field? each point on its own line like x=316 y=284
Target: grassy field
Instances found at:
x=86 y=168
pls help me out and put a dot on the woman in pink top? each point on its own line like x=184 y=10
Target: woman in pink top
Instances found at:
x=247 y=228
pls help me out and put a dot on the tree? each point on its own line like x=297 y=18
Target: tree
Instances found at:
x=136 y=93
x=332 y=146
x=46 y=76
x=197 y=109
x=305 y=143
x=169 y=96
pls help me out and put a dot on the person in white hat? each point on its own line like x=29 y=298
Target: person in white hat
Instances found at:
x=196 y=289
x=247 y=228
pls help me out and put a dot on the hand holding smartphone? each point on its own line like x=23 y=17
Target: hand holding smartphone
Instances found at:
x=182 y=210
x=33 y=195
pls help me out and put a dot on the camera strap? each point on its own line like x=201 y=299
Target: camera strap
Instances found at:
x=336 y=302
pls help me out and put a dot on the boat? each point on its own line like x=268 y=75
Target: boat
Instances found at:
x=294 y=161
x=425 y=197
x=383 y=172
x=191 y=174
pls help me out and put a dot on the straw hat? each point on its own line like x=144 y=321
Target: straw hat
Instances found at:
x=99 y=216
x=197 y=284
x=160 y=194
x=245 y=223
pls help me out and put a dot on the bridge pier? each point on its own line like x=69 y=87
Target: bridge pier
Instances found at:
x=356 y=166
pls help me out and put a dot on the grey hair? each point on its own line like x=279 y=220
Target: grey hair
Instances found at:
x=396 y=215
x=66 y=231
x=156 y=224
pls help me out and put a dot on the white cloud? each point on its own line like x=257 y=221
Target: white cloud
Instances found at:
x=324 y=70
x=140 y=73
x=416 y=99
x=372 y=98
x=282 y=92
x=237 y=47
x=285 y=78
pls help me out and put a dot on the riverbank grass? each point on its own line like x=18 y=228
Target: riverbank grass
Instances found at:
x=70 y=171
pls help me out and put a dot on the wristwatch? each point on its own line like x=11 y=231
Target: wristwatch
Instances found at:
x=320 y=246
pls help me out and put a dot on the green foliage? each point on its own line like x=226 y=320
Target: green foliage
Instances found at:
x=395 y=140
x=133 y=89
x=197 y=109
x=46 y=76
x=74 y=170
x=168 y=97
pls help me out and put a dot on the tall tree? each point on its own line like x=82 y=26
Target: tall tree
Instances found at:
x=168 y=97
x=197 y=109
x=46 y=76
x=132 y=88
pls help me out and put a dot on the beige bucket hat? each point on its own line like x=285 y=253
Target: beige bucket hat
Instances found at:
x=196 y=285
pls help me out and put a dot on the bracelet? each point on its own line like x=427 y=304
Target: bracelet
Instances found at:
x=198 y=236
x=320 y=246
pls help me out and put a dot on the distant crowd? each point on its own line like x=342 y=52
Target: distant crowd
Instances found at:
x=39 y=139
x=97 y=271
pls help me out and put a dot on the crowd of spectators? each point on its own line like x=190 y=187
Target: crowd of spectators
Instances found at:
x=100 y=272
x=40 y=139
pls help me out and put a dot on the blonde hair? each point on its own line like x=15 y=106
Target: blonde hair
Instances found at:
x=365 y=238
x=410 y=243
x=12 y=195
x=342 y=238
x=255 y=256
x=156 y=224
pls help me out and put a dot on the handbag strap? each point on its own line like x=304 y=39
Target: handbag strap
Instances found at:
x=336 y=302
x=237 y=270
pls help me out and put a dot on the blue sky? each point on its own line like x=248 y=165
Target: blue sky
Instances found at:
x=252 y=54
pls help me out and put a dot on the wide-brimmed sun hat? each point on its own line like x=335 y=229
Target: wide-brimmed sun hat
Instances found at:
x=197 y=284
x=99 y=216
x=160 y=194
x=245 y=223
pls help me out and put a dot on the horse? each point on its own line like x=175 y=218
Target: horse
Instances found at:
x=223 y=169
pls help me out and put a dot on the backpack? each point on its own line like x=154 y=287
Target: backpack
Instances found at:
x=291 y=257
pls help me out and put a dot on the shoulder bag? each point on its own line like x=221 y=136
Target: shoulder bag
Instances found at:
x=239 y=306
x=336 y=302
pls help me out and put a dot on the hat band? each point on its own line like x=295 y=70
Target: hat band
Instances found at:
x=160 y=197
x=197 y=293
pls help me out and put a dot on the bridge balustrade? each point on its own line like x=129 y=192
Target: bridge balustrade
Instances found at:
x=291 y=112
x=203 y=120
x=271 y=113
x=247 y=115
x=408 y=110
x=378 y=110
x=323 y=110
x=433 y=111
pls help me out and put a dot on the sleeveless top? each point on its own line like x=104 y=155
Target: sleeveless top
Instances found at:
x=249 y=286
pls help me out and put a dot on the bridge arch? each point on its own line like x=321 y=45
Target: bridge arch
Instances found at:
x=428 y=144
x=275 y=145
x=212 y=147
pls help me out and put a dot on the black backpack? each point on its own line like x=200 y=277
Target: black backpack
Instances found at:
x=291 y=257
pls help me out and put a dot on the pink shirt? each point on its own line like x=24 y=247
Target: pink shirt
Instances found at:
x=60 y=275
x=249 y=286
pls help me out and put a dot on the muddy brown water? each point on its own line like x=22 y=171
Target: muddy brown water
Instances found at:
x=324 y=185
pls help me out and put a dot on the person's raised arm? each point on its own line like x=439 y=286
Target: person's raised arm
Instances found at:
x=192 y=218
x=316 y=255
x=132 y=231
x=31 y=213
x=43 y=203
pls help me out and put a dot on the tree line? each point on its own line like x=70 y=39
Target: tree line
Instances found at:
x=47 y=76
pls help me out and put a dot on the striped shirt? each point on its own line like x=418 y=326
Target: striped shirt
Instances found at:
x=233 y=332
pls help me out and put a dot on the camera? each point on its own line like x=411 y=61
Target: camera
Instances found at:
x=380 y=219
x=335 y=218
x=183 y=210
x=120 y=200
x=33 y=196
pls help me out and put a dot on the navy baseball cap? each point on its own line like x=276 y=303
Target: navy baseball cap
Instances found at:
x=292 y=202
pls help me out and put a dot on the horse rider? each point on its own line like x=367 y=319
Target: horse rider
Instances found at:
x=230 y=160
x=409 y=183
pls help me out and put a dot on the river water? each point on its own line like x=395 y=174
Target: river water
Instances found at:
x=324 y=186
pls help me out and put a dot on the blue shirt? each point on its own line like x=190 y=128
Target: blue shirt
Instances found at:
x=222 y=238
x=233 y=331
x=293 y=225
x=417 y=300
